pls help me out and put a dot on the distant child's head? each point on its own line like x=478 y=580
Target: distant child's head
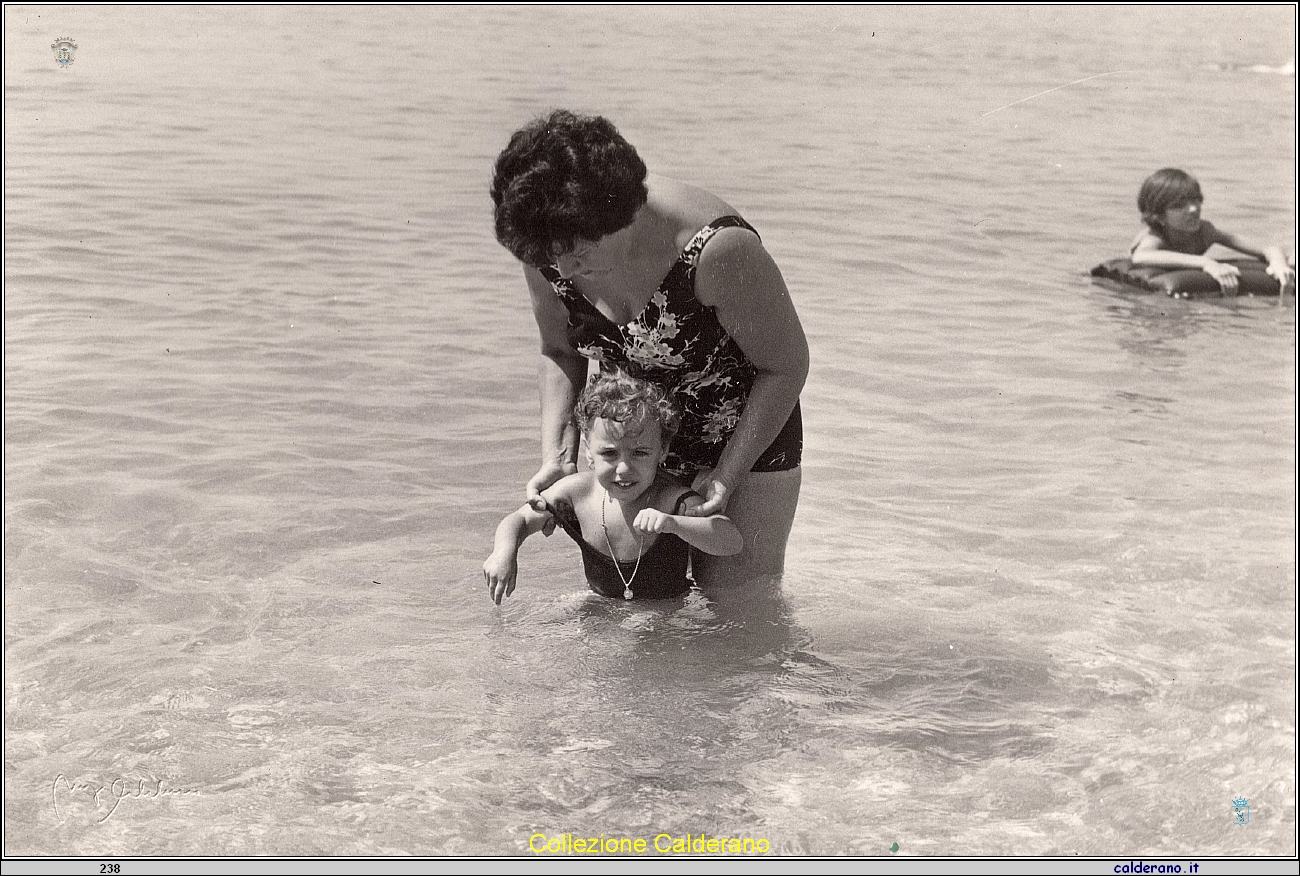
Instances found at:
x=628 y=424
x=1167 y=189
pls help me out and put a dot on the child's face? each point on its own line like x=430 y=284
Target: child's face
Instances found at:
x=1183 y=216
x=625 y=462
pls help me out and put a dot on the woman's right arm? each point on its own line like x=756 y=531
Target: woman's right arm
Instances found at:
x=561 y=375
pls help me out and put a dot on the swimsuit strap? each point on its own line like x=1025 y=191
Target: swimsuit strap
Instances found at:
x=691 y=252
x=562 y=512
x=677 y=508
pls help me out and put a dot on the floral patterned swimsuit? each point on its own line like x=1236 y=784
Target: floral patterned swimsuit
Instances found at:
x=678 y=343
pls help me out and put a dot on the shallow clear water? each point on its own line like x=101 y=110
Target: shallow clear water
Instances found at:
x=269 y=385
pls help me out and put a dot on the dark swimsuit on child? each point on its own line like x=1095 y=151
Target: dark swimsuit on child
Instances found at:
x=677 y=343
x=1194 y=243
x=661 y=573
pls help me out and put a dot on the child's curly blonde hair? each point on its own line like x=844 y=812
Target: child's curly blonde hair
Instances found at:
x=629 y=402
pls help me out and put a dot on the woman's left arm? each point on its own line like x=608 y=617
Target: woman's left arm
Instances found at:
x=736 y=276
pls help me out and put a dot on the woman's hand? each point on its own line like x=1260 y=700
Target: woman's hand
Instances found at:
x=1226 y=275
x=546 y=476
x=716 y=495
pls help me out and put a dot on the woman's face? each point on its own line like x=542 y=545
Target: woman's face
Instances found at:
x=596 y=259
x=587 y=258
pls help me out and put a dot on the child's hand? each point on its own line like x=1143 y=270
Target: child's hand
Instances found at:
x=499 y=571
x=1284 y=273
x=1226 y=275
x=651 y=521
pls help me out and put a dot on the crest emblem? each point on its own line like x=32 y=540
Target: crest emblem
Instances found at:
x=65 y=51
x=1240 y=811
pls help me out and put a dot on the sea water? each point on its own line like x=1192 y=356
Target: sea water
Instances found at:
x=269 y=384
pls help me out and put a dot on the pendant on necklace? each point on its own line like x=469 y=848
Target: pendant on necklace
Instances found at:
x=640 y=542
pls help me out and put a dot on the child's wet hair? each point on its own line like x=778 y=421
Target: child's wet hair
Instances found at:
x=1164 y=189
x=629 y=402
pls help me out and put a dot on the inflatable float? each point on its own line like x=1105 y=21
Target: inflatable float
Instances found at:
x=1185 y=282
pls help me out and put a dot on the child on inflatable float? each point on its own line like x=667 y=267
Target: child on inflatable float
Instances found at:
x=1169 y=253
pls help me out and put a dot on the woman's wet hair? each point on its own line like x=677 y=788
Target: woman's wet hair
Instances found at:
x=1163 y=189
x=629 y=403
x=564 y=177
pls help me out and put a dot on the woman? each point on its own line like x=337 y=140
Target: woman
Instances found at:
x=664 y=281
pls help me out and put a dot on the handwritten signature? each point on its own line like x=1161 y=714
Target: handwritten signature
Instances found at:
x=110 y=794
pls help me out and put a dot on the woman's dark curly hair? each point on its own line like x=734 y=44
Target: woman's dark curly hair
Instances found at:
x=561 y=178
x=1163 y=189
x=630 y=402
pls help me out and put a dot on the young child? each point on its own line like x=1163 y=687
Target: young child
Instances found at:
x=1176 y=236
x=625 y=513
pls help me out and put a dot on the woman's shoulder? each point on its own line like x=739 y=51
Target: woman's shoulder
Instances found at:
x=682 y=199
x=688 y=208
x=733 y=262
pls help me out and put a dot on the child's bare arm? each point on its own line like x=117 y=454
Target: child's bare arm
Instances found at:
x=502 y=567
x=1272 y=255
x=1240 y=245
x=715 y=535
x=1168 y=258
x=1151 y=250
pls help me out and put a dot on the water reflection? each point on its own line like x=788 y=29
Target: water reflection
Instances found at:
x=729 y=679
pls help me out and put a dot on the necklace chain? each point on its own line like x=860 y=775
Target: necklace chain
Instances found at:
x=640 y=541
